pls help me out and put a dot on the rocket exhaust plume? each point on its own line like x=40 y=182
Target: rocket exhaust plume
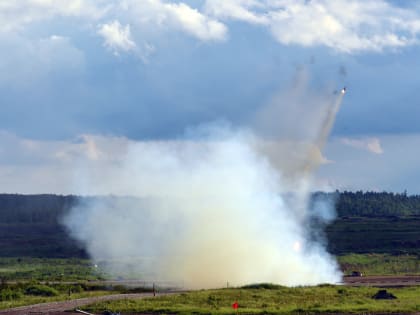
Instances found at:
x=209 y=208
x=324 y=131
x=329 y=120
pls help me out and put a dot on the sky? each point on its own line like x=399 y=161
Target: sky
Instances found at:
x=80 y=80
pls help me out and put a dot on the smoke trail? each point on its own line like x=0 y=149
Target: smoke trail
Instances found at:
x=212 y=207
x=295 y=125
x=327 y=125
x=294 y=128
x=313 y=161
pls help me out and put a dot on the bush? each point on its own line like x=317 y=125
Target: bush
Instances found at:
x=41 y=290
x=267 y=286
x=77 y=289
x=10 y=295
x=66 y=288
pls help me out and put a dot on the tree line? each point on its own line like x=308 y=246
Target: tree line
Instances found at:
x=373 y=204
x=49 y=208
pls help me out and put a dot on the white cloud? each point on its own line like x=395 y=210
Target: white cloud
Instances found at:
x=125 y=26
x=237 y=9
x=36 y=59
x=195 y=23
x=42 y=166
x=395 y=169
x=117 y=37
x=372 y=145
x=344 y=25
x=15 y=15
x=157 y=15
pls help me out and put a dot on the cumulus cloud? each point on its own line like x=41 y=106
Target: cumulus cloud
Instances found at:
x=344 y=25
x=116 y=37
x=148 y=14
x=195 y=23
x=48 y=166
x=242 y=10
x=372 y=145
x=396 y=169
x=35 y=59
x=165 y=16
x=15 y=15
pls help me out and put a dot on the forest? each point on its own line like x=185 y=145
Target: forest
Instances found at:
x=380 y=222
x=48 y=208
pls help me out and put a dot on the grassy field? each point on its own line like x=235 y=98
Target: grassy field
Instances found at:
x=28 y=299
x=48 y=269
x=19 y=275
x=387 y=235
x=74 y=269
x=275 y=300
x=380 y=264
x=37 y=240
x=390 y=235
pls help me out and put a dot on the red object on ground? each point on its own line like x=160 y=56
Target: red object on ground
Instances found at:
x=235 y=305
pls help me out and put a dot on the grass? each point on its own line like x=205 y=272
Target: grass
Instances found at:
x=380 y=264
x=277 y=300
x=390 y=235
x=74 y=269
x=47 y=269
x=37 y=240
x=18 y=276
x=18 y=294
x=26 y=281
x=34 y=299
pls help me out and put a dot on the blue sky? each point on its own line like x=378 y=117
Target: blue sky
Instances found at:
x=83 y=71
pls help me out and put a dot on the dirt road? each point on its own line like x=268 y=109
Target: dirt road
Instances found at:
x=382 y=281
x=54 y=308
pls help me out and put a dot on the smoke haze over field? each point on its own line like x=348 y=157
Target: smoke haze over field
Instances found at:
x=218 y=204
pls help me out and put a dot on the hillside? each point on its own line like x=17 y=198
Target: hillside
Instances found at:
x=367 y=222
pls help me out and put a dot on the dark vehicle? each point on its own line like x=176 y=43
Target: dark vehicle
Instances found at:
x=356 y=274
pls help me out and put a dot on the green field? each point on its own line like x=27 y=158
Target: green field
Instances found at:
x=75 y=269
x=21 y=299
x=48 y=269
x=42 y=254
x=38 y=239
x=380 y=264
x=61 y=276
x=322 y=299
x=390 y=235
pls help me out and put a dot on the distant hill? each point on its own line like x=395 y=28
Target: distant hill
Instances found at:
x=374 y=204
x=367 y=222
x=30 y=226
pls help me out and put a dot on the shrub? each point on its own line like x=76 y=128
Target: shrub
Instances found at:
x=268 y=286
x=77 y=289
x=41 y=290
x=10 y=295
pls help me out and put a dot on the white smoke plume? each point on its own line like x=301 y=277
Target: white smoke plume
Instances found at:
x=212 y=207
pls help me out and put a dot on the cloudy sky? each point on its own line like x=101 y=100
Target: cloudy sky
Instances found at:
x=81 y=79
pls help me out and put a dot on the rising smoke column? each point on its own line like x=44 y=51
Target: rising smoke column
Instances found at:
x=315 y=150
x=327 y=125
x=293 y=129
x=204 y=210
